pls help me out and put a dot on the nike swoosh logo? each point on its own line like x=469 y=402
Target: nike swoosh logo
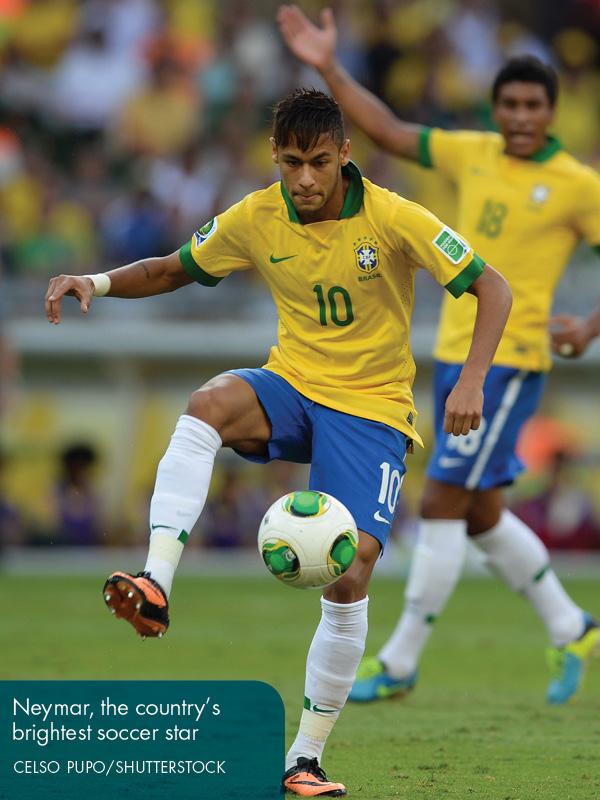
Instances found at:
x=318 y=710
x=168 y=527
x=277 y=260
x=379 y=518
x=447 y=462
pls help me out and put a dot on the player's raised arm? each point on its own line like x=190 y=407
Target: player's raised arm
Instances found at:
x=464 y=405
x=144 y=278
x=315 y=46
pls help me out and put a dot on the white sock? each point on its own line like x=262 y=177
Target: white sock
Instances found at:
x=333 y=658
x=523 y=562
x=182 y=482
x=436 y=567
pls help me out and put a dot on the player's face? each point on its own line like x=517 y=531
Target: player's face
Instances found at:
x=523 y=113
x=313 y=178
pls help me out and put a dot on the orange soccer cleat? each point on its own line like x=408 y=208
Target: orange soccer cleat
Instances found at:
x=139 y=600
x=307 y=779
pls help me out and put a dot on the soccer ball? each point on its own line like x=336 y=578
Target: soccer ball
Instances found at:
x=307 y=539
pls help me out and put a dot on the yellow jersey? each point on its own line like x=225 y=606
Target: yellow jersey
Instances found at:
x=344 y=289
x=525 y=217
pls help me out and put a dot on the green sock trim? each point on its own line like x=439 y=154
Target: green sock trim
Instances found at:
x=183 y=537
x=430 y=619
x=541 y=573
x=307 y=703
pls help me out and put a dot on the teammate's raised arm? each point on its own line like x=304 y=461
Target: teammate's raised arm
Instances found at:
x=144 y=278
x=315 y=46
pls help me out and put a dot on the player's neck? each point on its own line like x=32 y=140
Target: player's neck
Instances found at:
x=332 y=209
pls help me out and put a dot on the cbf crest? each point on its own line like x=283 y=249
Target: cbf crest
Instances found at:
x=367 y=255
x=539 y=194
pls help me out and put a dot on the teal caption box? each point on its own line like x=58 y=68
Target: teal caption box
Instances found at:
x=140 y=739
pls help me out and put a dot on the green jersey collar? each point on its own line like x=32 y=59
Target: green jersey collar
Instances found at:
x=354 y=195
x=550 y=149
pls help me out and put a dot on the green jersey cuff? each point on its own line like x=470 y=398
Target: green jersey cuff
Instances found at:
x=464 y=279
x=192 y=268
x=424 y=154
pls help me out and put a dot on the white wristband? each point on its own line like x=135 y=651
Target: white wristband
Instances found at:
x=101 y=283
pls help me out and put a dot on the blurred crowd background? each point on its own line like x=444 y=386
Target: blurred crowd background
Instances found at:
x=125 y=125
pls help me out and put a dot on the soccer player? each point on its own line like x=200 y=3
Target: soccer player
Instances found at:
x=525 y=204
x=339 y=255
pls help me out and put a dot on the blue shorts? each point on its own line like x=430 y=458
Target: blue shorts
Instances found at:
x=485 y=458
x=357 y=460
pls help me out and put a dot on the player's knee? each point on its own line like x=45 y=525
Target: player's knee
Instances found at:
x=354 y=585
x=208 y=404
x=349 y=589
x=443 y=501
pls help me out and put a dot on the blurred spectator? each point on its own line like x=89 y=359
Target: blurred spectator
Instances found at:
x=162 y=119
x=134 y=226
x=75 y=500
x=562 y=514
x=44 y=29
x=472 y=31
x=93 y=185
x=92 y=82
x=188 y=187
x=552 y=499
x=232 y=513
x=11 y=525
x=578 y=116
x=12 y=528
x=126 y=25
x=9 y=363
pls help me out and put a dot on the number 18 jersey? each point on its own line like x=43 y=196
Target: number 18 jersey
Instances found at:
x=525 y=217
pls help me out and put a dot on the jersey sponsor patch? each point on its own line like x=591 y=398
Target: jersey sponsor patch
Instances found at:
x=451 y=245
x=205 y=232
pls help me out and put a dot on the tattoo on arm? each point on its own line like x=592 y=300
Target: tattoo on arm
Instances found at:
x=145 y=268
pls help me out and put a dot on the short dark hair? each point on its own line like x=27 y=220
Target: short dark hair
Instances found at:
x=527 y=69
x=306 y=115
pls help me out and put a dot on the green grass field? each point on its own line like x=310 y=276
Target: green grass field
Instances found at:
x=476 y=726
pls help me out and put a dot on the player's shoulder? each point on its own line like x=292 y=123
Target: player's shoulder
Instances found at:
x=391 y=207
x=570 y=164
x=261 y=200
x=379 y=195
x=270 y=195
x=470 y=138
x=581 y=181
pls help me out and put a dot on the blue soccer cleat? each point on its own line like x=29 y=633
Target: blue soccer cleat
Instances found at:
x=373 y=682
x=568 y=664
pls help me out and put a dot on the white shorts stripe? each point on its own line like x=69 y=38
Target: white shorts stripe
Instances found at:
x=509 y=399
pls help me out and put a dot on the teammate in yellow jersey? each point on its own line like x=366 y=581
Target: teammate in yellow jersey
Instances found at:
x=525 y=204
x=339 y=255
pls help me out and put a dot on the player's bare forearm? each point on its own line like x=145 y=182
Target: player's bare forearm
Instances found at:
x=148 y=277
x=315 y=46
x=143 y=278
x=464 y=405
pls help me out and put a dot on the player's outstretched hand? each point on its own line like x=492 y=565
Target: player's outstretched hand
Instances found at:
x=464 y=408
x=313 y=45
x=79 y=286
x=569 y=336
